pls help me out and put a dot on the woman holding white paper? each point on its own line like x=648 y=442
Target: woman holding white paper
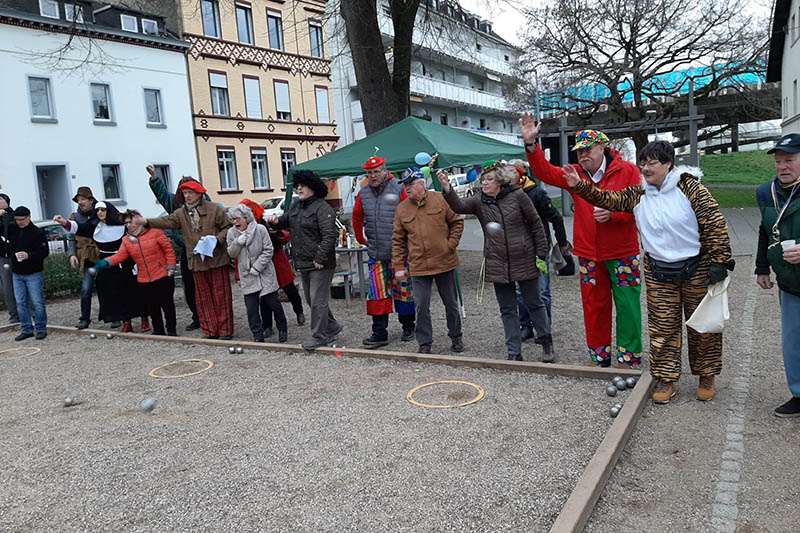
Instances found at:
x=685 y=238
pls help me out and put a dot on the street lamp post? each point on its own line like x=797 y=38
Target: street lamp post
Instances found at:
x=651 y=115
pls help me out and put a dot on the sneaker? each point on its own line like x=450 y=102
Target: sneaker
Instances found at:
x=116 y=324
x=424 y=348
x=41 y=335
x=375 y=341
x=408 y=335
x=313 y=344
x=705 y=390
x=525 y=333
x=458 y=345
x=336 y=331
x=301 y=319
x=790 y=409
x=547 y=351
x=23 y=336
x=172 y=333
x=83 y=324
x=193 y=325
x=605 y=363
x=268 y=333
x=665 y=390
x=517 y=357
x=283 y=335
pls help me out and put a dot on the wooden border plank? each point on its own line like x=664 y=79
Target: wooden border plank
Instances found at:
x=578 y=508
x=8 y=327
x=589 y=372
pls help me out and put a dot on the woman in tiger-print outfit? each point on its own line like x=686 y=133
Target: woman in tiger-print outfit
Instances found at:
x=685 y=238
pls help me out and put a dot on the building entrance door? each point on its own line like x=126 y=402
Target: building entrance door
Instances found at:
x=54 y=195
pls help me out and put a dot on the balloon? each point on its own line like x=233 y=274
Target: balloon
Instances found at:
x=426 y=171
x=472 y=175
x=422 y=158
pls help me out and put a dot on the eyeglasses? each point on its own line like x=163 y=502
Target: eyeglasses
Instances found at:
x=650 y=163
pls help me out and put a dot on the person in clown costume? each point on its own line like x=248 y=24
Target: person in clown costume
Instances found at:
x=373 y=223
x=606 y=244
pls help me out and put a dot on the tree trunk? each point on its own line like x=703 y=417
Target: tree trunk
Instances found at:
x=384 y=97
x=640 y=140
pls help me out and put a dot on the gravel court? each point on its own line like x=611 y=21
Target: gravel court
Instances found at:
x=283 y=442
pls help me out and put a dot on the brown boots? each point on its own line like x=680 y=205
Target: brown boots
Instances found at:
x=666 y=390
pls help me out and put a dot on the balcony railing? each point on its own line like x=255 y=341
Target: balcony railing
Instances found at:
x=510 y=138
x=458 y=94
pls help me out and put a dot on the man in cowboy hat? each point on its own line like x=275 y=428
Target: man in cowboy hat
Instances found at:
x=607 y=244
x=427 y=232
x=202 y=220
x=83 y=252
x=373 y=214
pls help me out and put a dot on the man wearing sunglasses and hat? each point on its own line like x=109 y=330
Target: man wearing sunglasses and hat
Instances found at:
x=606 y=243
x=373 y=215
x=779 y=250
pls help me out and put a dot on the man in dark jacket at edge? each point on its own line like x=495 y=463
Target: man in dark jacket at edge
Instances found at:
x=312 y=225
x=6 y=277
x=83 y=252
x=548 y=215
x=170 y=202
x=29 y=248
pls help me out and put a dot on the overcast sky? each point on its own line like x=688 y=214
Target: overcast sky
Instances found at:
x=506 y=18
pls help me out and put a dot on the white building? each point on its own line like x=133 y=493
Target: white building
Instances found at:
x=124 y=105
x=784 y=60
x=461 y=72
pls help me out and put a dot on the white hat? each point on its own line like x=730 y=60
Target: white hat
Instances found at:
x=100 y=205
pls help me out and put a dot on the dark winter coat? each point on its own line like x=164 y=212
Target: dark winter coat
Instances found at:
x=312 y=225
x=374 y=213
x=511 y=249
x=6 y=221
x=769 y=252
x=30 y=239
x=547 y=213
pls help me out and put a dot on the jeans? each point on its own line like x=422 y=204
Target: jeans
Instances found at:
x=317 y=288
x=7 y=288
x=506 y=299
x=87 y=286
x=448 y=292
x=790 y=339
x=30 y=287
x=544 y=295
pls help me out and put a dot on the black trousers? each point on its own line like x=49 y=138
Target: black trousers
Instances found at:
x=258 y=308
x=188 y=286
x=159 y=297
x=291 y=292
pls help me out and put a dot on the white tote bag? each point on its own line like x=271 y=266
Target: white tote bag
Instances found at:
x=712 y=313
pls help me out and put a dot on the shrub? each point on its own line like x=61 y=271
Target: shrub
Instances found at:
x=60 y=279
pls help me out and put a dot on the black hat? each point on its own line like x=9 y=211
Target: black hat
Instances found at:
x=5 y=197
x=312 y=181
x=22 y=211
x=789 y=143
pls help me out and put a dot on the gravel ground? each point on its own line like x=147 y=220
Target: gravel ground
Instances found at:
x=482 y=329
x=282 y=442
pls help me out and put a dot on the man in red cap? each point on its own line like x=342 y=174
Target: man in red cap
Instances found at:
x=373 y=214
x=198 y=220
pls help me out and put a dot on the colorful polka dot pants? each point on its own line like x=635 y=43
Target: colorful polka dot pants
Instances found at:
x=605 y=285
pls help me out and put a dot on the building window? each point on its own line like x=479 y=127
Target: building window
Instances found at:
x=219 y=94
x=48 y=8
x=315 y=32
x=323 y=107
x=101 y=102
x=252 y=97
x=794 y=97
x=505 y=57
x=73 y=13
x=443 y=119
x=275 y=29
x=149 y=27
x=478 y=47
x=111 y=184
x=283 y=106
x=210 y=12
x=258 y=157
x=152 y=106
x=482 y=124
x=288 y=160
x=129 y=23
x=162 y=173
x=244 y=23
x=41 y=96
x=226 y=158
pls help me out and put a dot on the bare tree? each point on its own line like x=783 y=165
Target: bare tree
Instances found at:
x=621 y=53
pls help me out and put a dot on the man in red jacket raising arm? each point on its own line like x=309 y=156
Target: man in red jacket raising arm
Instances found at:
x=606 y=244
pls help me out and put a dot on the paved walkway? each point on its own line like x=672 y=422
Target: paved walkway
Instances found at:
x=742 y=227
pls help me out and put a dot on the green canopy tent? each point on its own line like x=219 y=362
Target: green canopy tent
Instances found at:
x=400 y=142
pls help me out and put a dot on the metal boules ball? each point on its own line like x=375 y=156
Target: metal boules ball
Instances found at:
x=132 y=239
x=392 y=199
x=147 y=405
x=617 y=379
x=611 y=390
x=614 y=410
x=7 y=265
x=621 y=385
x=630 y=382
x=239 y=349
x=92 y=336
x=109 y=336
x=493 y=227
x=232 y=350
x=69 y=402
x=92 y=271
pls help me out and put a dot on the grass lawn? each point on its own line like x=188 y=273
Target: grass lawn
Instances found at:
x=752 y=168
x=734 y=197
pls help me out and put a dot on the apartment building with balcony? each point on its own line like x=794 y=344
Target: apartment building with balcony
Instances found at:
x=260 y=83
x=461 y=72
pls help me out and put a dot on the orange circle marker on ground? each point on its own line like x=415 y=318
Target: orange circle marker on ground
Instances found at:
x=337 y=353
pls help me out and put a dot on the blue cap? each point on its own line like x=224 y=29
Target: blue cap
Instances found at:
x=410 y=174
x=788 y=143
